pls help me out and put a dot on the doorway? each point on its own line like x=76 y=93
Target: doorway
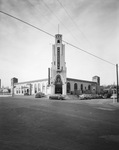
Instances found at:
x=58 y=85
x=58 y=89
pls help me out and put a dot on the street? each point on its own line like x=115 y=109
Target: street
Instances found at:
x=42 y=124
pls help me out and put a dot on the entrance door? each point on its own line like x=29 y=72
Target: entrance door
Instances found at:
x=58 y=89
x=58 y=85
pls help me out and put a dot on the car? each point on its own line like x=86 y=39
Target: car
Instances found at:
x=39 y=95
x=57 y=96
x=107 y=95
x=84 y=96
x=114 y=96
x=26 y=94
x=89 y=96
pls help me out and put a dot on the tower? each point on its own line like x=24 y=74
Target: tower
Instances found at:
x=96 y=79
x=58 y=68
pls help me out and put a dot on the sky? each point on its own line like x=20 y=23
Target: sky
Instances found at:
x=92 y=25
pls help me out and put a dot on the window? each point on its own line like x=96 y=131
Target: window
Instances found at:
x=43 y=87
x=58 y=57
x=58 y=41
x=68 y=87
x=89 y=87
x=35 y=88
x=75 y=86
x=82 y=87
x=58 y=80
x=38 y=86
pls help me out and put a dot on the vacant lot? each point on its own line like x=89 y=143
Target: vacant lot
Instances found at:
x=40 y=124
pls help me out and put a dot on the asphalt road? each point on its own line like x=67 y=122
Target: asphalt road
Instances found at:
x=42 y=124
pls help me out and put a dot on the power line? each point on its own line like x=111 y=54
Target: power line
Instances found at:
x=88 y=52
x=72 y=20
x=81 y=32
x=59 y=20
x=26 y=23
x=54 y=37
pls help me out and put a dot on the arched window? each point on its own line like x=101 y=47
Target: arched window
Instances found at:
x=58 y=41
x=81 y=87
x=35 y=88
x=39 y=87
x=68 y=87
x=43 y=87
x=58 y=80
x=28 y=91
x=75 y=86
x=89 y=87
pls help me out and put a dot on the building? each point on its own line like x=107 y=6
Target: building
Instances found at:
x=57 y=81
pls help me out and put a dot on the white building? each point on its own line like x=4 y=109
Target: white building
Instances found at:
x=58 y=83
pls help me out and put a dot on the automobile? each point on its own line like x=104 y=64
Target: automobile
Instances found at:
x=57 y=96
x=84 y=96
x=114 y=96
x=100 y=96
x=94 y=96
x=39 y=95
x=89 y=96
x=107 y=96
x=26 y=94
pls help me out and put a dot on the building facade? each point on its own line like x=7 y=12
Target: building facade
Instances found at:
x=57 y=82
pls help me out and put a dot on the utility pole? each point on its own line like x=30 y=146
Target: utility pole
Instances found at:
x=117 y=82
x=13 y=89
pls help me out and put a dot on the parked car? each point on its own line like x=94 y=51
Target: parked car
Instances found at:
x=57 y=96
x=26 y=94
x=39 y=95
x=114 y=96
x=85 y=96
x=89 y=96
x=108 y=95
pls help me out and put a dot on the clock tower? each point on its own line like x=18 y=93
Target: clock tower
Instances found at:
x=58 y=68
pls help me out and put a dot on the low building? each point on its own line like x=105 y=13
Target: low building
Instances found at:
x=74 y=86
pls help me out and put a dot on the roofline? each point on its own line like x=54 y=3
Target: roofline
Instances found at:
x=31 y=81
x=72 y=79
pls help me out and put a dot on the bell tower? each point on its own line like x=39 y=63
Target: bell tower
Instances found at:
x=58 y=68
